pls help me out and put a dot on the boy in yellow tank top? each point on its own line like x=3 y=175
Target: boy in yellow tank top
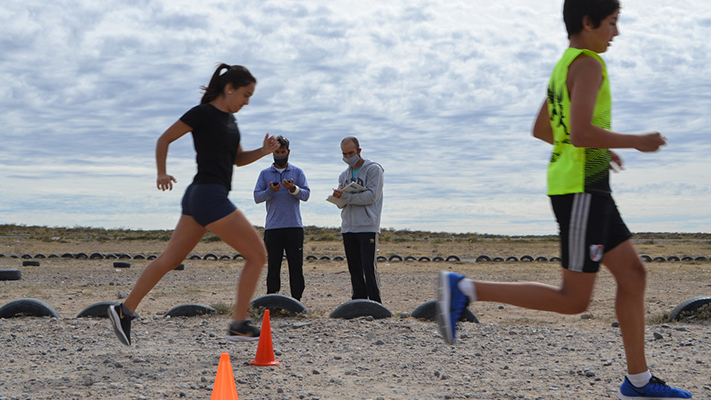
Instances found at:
x=576 y=120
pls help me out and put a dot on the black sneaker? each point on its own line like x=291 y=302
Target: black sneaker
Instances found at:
x=121 y=321
x=242 y=331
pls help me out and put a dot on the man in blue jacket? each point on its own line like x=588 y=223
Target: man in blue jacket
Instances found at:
x=283 y=186
x=360 y=219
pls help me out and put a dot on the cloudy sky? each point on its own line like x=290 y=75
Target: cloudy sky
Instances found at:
x=442 y=93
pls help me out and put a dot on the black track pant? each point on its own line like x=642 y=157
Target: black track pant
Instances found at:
x=290 y=240
x=360 y=253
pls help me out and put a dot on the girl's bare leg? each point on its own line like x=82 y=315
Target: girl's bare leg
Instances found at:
x=238 y=232
x=184 y=239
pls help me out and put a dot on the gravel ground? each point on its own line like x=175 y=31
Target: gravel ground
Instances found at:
x=512 y=353
x=396 y=358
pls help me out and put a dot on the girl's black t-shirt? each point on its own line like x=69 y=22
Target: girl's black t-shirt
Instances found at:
x=216 y=140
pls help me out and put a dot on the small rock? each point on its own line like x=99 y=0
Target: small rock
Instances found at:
x=616 y=324
x=122 y=295
x=658 y=336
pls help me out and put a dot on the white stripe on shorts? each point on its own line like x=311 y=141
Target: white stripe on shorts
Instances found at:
x=578 y=227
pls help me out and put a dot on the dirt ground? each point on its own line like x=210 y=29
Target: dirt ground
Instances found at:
x=70 y=285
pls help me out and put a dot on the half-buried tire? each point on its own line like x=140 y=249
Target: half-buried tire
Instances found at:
x=31 y=263
x=122 y=264
x=25 y=307
x=361 y=308
x=688 y=306
x=189 y=310
x=483 y=258
x=428 y=311
x=10 y=274
x=278 y=303
x=97 y=310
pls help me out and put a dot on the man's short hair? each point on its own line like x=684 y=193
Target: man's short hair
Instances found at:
x=283 y=142
x=351 y=139
x=575 y=10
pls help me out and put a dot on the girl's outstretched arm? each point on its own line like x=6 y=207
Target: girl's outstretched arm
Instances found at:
x=247 y=157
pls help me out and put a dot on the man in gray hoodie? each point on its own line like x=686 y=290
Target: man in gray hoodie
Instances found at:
x=360 y=219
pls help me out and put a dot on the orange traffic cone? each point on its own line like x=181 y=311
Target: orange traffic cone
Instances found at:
x=265 y=350
x=224 y=388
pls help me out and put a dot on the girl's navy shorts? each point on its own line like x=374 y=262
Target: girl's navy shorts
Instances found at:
x=207 y=203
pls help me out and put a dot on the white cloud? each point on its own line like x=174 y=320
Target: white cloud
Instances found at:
x=443 y=94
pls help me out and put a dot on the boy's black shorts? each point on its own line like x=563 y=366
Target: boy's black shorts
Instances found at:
x=590 y=226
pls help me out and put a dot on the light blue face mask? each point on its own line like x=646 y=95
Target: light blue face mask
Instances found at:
x=352 y=161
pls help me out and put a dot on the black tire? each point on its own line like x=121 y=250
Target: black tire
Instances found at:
x=438 y=259
x=40 y=256
x=10 y=274
x=111 y=256
x=97 y=310
x=541 y=259
x=96 y=256
x=381 y=258
x=394 y=257
x=179 y=267
x=25 y=256
x=34 y=307
x=556 y=259
x=311 y=258
x=453 y=258
x=645 y=258
x=30 y=263
x=526 y=258
x=195 y=257
x=410 y=258
x=123 y=256
x=689 y=305
x=673 y=258
x=659 y=259
x=2 y=256
x=14 y=256
x=68 y=256
x=325 y=258
x=209 y=256
x=238 y=257
x=483 y=258
x=53 y=256
x=511 y=258
x=81 y=256
x=139 y=257
x=225 y=257
x=122 y=264
x=151 y=257
x=424 y=259
x=700 y=258
x=339 y=258
x=189 y=310
x=687 y=258
x=361 y=308
x=428 y=311
x=278 y=303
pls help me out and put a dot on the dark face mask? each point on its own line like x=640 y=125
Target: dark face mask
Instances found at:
x=281 y=162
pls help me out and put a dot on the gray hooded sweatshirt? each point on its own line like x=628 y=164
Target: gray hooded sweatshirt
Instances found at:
x=362 y=210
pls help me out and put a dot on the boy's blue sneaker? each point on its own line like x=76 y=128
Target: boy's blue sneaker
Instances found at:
x=451 y=303
x=655 y=389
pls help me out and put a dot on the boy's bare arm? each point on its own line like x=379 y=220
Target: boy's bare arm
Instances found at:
x=584 y=79
x=542 y=126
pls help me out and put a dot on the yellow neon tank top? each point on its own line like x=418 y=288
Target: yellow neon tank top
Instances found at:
x=577 y=169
